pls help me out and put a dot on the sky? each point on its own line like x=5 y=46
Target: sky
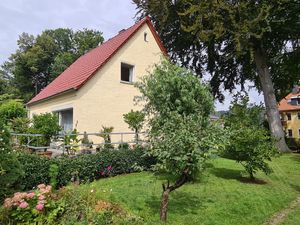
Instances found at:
x=107 y=16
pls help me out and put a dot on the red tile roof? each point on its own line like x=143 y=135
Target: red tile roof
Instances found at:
x=87 y=65
x=284 y=105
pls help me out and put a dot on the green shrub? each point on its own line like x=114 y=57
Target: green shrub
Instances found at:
x=53 y=173
x=36 y=170
x=85 y=207
x=46 y=124
x=10 y=168
x=10 y=110
x=83 y=167
x=250 y=144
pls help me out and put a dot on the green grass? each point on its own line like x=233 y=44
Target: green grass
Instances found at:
x=219 y=197
x=293 y=218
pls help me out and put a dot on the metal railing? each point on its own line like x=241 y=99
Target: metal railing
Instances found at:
x=31 y=141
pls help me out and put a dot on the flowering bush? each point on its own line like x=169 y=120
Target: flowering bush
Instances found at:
x=35 y=206
x=106 y=172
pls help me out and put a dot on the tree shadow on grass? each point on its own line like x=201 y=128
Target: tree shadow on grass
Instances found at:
x=231 y=174
x=228 y=174
x=181 y=203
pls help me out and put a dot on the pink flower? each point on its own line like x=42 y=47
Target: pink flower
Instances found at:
x=102 y=173
x=23 y=205
x=48 y=188
x=41 y=186
x=41 y=197
x=109 y=168
x=40 y=206
x=42 y=202
x=30 y=195
x=8 y=203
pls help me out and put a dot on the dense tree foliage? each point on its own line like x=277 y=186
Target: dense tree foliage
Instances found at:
x=234 y=41
x=10 y=110
x=38 y=60
x=250 y=142
x=177 y=105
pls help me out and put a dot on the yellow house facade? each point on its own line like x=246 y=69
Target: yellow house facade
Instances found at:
x=289 y=108
x=97 y=89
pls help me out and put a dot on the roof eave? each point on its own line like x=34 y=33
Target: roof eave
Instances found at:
x=51 y=97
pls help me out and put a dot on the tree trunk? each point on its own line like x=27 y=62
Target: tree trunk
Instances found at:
x=270 y=100
x=167 y=189
x=164 y=205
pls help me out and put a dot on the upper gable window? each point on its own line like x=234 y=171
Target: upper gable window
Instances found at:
x=126 y=72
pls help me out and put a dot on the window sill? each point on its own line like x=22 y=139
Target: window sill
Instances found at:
x=126 y=82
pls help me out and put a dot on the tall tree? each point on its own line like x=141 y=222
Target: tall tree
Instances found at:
x=38 y=60
x=234 y=41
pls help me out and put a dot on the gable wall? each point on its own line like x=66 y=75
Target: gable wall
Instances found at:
x=104 y=99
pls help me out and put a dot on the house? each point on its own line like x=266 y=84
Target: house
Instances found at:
x=97 y=89
x=289 y=109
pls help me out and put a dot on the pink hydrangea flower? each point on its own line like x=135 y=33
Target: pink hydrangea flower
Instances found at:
x=109 y=168
x=23 y=205
x=41 y=186
x=41 y=197
x=8 y=203
x=40 y=207
x=42 y=202
x=102 y=173
x=30 y=195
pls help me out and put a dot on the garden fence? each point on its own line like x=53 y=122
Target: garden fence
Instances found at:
x=34 y=141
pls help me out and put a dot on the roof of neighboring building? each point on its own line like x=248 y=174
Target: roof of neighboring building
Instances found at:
x=285 y=105
x=83 y=69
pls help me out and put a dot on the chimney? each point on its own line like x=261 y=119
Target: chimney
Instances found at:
x=295 y=90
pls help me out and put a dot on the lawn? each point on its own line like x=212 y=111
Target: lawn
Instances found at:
x=217 y=197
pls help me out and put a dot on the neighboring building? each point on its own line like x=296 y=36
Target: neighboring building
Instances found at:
x=289 y=108
x=97 y=89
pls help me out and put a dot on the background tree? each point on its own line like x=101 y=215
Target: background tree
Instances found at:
x=250 y=143
x=234 y=41
x=10 y=110
x=177 y=106
x=38 y=60
x=135 y=120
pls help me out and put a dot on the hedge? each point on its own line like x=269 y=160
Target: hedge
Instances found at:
x=85 y=167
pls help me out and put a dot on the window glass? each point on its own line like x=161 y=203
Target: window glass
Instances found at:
x=126 y=72
x=290 y=133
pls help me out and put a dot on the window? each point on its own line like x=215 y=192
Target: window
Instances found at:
x=145 y=37
x=290 y=133
x=289 y=116
x=66 y=119
x=126 y=72
x=298 y=101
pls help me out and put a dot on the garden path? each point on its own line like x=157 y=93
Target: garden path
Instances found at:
x=280 y=216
